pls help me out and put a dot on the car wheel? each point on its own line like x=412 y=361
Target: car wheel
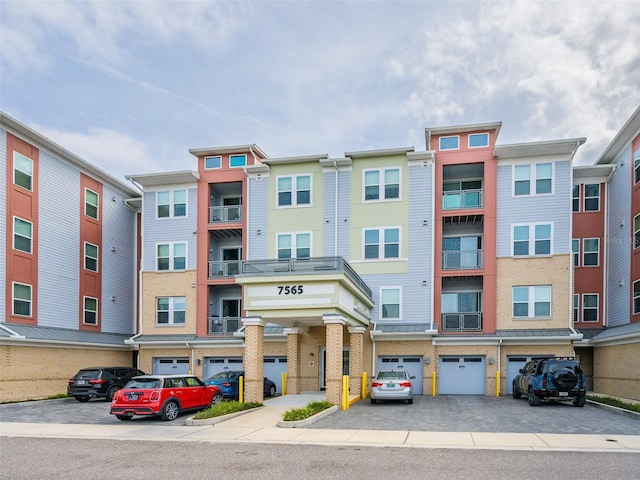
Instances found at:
x=516 y=393
x=126 y=417
x=217 y=398
x=111 y=392
x=410 y=401
x=272 y=391
x=82 y=399
x=579 y=402
x=534 y=400
x=373 y=401
x=170 y=411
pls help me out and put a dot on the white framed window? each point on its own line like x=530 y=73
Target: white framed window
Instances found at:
x=636 y=297
x=21 y=299
x=294 y=245
x=171 y=310
x=90 y=311
x=576 y=307
x=544 y=178
x=636 y=166
x=237 y=161
x=449 y=143
x=531 y=301
x=592 y=197
x=171 y=256
x=590 y=252
x=381 y=243
x=636 y=231
x=22 y=235
x=22 y=171
x=532 y=239
x=381 y=184
x=213 y=163
x=523 y=182
x=575 y=250
x=390 y=303
x=294 y=190
x=171 y=203
x=478 y=140
x=90 y=257
x=589 y=307
x=91 y=203
x=575 y=202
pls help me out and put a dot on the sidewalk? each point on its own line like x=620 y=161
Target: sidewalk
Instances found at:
x=260 y=427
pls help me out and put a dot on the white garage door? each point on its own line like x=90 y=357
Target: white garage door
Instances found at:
x=413 y=365
x=461 y=375
x=166 y=366
x=514 y=364
x=213 y=365
x=274 y=367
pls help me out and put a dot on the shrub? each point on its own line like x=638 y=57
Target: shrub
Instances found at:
x=634 y=407
x=225 y=408
x=307 y=411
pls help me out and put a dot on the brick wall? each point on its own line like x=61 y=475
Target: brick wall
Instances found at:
x=168 y=284
x=616 y=371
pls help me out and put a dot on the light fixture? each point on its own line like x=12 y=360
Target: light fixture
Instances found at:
x=427 y=360
x=113 y=298
x=491 y=360
x=622 y=283
x=113 y=249
x=258 y=232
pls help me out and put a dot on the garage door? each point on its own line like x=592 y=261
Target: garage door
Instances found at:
x=413 y=365
x=461 y=375
x=213 y=365
x=274 y=367
x=514 y=364
x=166 y=366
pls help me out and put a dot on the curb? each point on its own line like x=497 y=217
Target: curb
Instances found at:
x=307 y=421
x=213 y=420
x=618 y=410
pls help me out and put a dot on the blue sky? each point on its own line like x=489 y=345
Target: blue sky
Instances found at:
x=131 y=86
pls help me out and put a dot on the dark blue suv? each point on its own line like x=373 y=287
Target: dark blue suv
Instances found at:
x=551 y=378
x=229 y=382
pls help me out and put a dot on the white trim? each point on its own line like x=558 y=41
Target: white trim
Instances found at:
x=172 y=256
x=381 y=304
x=448 y=149
x=13 y=299
x=532 y=240
x=294 y=190
x=381 y=184
x=204 y=162
x=85 y=310
x=477 y=135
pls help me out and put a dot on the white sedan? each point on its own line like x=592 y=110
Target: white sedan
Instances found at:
x=391 y=385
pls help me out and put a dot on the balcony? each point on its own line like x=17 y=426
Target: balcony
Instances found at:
x=225 y=214
x=462 y=199
x=462 y=260
x=223 y=325
x=462 y=322
x=224 y=269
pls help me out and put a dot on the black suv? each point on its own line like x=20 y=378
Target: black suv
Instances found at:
x=100 y=382
x=551 y=378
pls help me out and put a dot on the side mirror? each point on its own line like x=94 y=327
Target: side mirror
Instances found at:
x=521 y=370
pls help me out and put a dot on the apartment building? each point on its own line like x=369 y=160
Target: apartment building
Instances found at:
x=68 y=237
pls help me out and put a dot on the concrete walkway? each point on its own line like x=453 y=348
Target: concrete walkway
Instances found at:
x=260 y=427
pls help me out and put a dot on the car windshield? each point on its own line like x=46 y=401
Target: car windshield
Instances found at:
x=144 y=383
x=391 y=376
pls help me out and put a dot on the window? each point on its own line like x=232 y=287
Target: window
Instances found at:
x=294 y=245
x=21 y=299
x=532 y=239
x=543 y=179
x=22 y=171
x=449 y=143
x=90 y=257
x=636 y=297
x=170 y=310
x=576 y=198
x=390 y=303
x=171 y=204
x=592 y=197
x=22 y=235
x=91 y=200
x=171 y=256
x=576 y=307
x=636 y=165
x=590 y=252
x=211 y=163
x=636 y=231
x=590 y=307
x=390 y=239
x=575 y=249
x=90 y=311
x=382 y=184
x=532 y=302
x=477 y=140
x=522 y=184
x=294 y=190
x=237 y=161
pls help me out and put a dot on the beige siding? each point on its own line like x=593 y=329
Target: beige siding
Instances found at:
x=616 y=371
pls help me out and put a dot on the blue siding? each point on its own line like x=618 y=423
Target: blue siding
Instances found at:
x=258 y=218
x=619 y=256
x=3 y=218
x=343 y=213
x=329 y=243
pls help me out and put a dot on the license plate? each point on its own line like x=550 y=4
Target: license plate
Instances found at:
x=133 y=396
x=81 y=382
x=391 y=385
x=564 y=394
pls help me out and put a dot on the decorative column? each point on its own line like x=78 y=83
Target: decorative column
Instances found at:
x=334 y=325
x=253 y=359
x=293 y=360
x=356 y=354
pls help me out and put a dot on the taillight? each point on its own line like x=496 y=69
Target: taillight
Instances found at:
x=71 y=380
x=405 y=384
x=226 y=384
x=376 y=384
x=544 y=381
x=155 y=396
x=97 y=381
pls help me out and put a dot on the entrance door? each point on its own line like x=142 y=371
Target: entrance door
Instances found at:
x=230 y=314
x=231 y=261
x=323 y=366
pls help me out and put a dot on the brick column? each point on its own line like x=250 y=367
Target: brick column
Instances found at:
x=293 y=360
x=253 y=359
x=334 y=325
x=356 y=353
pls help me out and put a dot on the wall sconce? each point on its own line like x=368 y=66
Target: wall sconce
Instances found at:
x=622 y=283
x=258 y=232
x=113 y=249
x=491 y=360
x=311 y=354
x=113 y=298
x=198 y=361
x=113 y=198
x=425 y=223
x=193 y=285
x=427 y=360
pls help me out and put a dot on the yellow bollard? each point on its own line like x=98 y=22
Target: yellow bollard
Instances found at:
x=363 y=388
x=241 y=389
x=284 y=383
x=434 y=383
x=497 y=383
x=345 y=392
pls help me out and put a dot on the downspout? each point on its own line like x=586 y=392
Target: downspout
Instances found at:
x=373 y=351
x=433 y=216
x=139 y=286
x=572 y=290
x=335 y=222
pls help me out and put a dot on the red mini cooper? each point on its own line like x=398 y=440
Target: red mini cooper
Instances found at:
x=163 y=395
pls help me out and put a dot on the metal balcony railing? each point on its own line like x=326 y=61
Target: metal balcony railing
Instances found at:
x=462 y=259
x=462 y=322
x=224 y=269
x=461 y=199
x=228 y=214
x=221 y=325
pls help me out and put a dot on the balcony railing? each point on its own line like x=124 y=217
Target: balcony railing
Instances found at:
x=221 y=325
x=461 y=199
x=462 y=259
x=228 y=214
x=462 y=322
x=224 y=269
